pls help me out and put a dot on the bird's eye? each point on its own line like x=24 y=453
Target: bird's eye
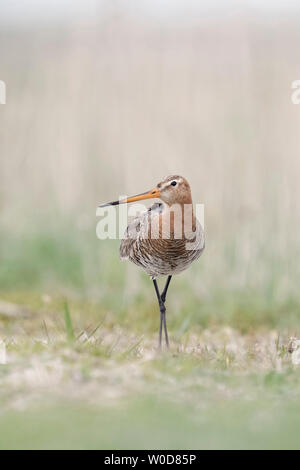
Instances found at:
x=173 y=183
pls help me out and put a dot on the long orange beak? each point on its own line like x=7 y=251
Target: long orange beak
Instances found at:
x=154 y=193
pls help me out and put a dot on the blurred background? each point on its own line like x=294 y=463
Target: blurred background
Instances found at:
x=108 y=97
x=105 y=98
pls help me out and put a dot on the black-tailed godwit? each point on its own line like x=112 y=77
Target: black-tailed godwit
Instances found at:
x=165 y=239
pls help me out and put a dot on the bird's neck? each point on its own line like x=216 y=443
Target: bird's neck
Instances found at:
x=180 y=216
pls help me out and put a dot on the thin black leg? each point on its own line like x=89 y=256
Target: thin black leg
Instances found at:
x=162 y=309
x=164 y=292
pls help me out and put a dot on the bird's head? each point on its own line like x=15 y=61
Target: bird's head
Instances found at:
x=171 y=190
x=174 y=189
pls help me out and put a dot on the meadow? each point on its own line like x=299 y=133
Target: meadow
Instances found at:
x=81 y=369
x=108 y=108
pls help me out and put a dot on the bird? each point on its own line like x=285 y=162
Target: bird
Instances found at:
x=165 y=239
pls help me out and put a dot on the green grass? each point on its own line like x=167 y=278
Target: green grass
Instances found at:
x=87 y=272
x=83 y=370
x=153 y=424
x=108 y=396
x=103 y=387
x=68 y=323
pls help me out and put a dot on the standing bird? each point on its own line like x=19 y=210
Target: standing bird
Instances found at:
x=165 y=239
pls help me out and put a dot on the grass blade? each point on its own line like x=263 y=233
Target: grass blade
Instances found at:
x=68 y=324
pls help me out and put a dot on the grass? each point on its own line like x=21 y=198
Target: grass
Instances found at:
x=68 y=323
x=152 y=423
x=109 y=389
x=90 y=276
x=83 y=370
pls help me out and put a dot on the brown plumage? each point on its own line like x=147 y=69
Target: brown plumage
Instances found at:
x=167 y=238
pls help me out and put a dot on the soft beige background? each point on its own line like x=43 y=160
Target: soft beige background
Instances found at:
x=107 y=105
